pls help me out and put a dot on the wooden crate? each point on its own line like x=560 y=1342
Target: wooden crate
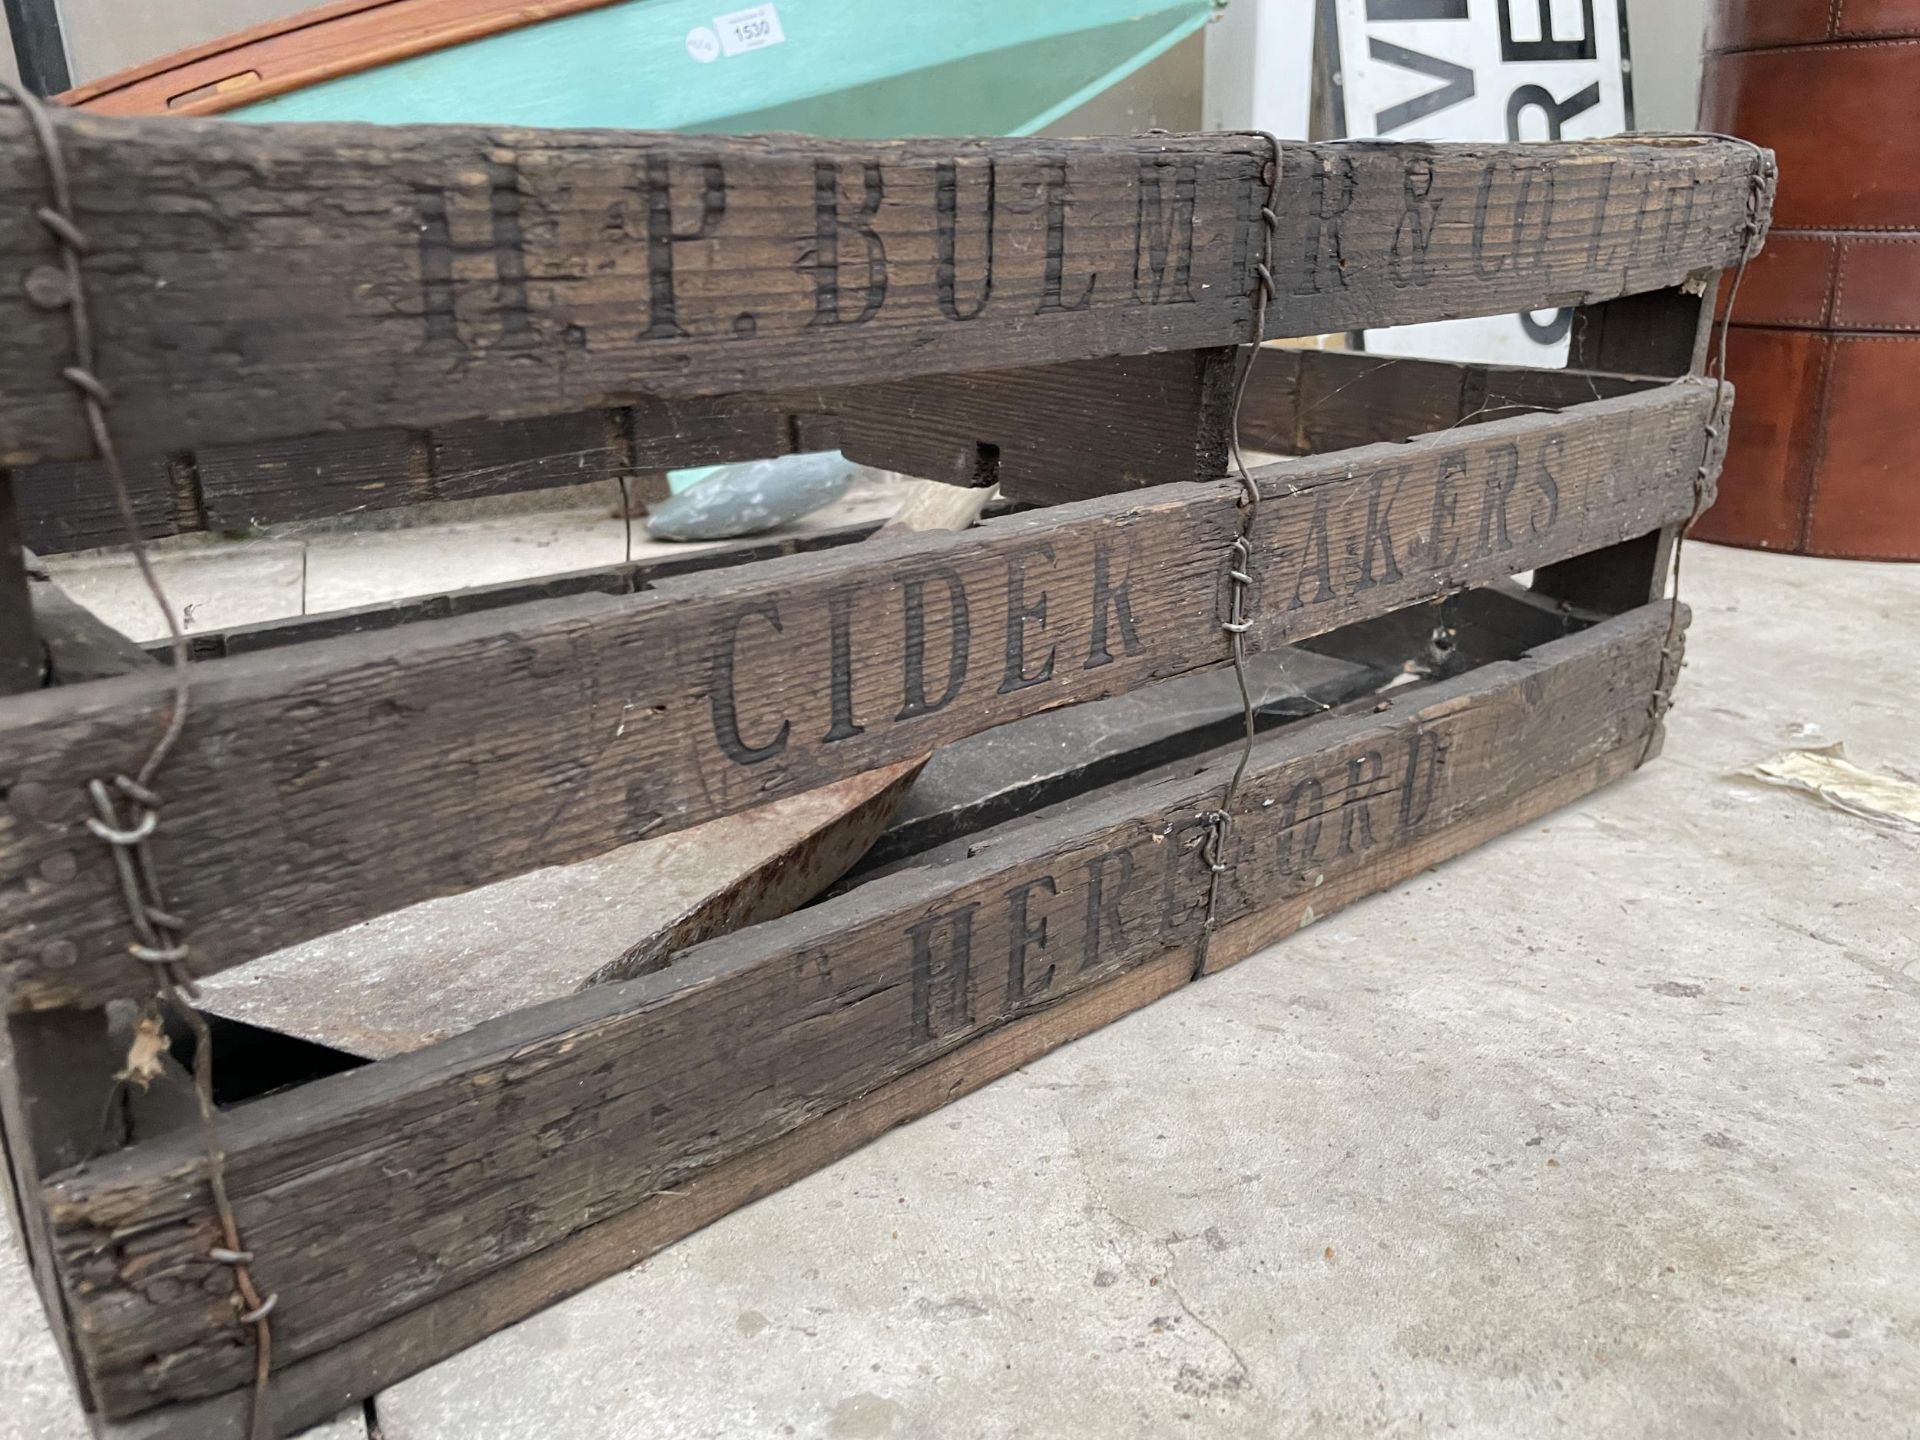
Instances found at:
x=313 y=320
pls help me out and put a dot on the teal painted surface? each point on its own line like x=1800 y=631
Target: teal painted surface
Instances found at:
x=845 y=67
x=853 y=68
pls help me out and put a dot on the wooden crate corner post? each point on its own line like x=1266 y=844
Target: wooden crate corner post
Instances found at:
x=58 y=1070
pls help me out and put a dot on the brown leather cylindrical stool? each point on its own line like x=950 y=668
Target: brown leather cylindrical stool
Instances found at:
x=1825 y=347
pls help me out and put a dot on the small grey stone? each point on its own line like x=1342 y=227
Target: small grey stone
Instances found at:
x=747 y=499
x=1679 y=990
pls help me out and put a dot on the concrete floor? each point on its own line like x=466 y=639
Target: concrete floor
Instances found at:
x=214 y=582
x=1607 y=1129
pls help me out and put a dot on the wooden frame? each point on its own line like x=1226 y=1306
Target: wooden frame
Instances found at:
x=340 y=769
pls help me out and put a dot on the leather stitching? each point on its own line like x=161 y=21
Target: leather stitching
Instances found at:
x=1892 y=42
x=1839 y=289
x=1834 y=295
x=1898 y=232
x=1891 y=235
x=1824 y=420
x=1877 y=43
x=1837 y=23
x=1817 y=457
x=1851 y=554
x=1836 y=280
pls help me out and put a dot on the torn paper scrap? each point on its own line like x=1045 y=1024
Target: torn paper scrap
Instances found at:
x=1826 y=772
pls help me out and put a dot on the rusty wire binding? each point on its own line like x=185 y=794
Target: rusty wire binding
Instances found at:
x=1239 y=572
x=1761 y=181
x=1240 y=562
x=127 y=808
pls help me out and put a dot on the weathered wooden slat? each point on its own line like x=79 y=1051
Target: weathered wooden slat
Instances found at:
x=1663 y=333
x=22 y=656
x=327 y=783
x=254 y=281
x=57 y=1067
x=266 y=483
x=31 y=1117
x=68 y=505
x=501 y=458
x=401 y=982
x=307 y=1391
x=389 y=1352
x=369 y=1194
x=352 y=472
x=1046 y=433
x=1306 y=402
x=382 y=990
x=1076 y=428
x=56 y=1076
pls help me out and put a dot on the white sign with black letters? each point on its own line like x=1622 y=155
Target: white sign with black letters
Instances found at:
x=1483 y=70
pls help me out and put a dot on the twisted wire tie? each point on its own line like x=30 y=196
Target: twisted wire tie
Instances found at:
x=161 y=933
x=86 y=381
x=149 y=822
x=159 y=954
x=68 y=233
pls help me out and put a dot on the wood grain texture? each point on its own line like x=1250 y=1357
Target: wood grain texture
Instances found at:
x=55 y=1075
x=305 y=1391
x=69 y=506
x=22 y=655
x=1665 y=332
x=1307 y=402
x=1252 y=933
x=384 y=989
x=1659 y=332
x=327 y=783
x=371 y=1193
x=1046 y=432
x=57 y=1068
x=248 y=282
x=425 y=974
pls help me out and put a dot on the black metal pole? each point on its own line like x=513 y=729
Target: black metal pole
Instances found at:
x=38 y=48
